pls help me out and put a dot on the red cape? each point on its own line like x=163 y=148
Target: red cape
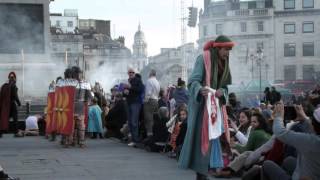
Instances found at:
x=5 y=94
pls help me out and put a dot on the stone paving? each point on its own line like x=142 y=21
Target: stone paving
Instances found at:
x=35 y=158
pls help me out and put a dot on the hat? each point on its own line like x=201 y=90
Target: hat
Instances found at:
x=14 y=75
x=221 y=41
x=181 y=82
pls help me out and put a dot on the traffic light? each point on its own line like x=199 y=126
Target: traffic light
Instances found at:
x=193 y=16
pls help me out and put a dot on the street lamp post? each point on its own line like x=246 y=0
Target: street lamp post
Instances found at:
x=259 y=62
x=252 y=58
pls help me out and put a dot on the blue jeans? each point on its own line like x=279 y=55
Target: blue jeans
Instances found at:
x=133 y=121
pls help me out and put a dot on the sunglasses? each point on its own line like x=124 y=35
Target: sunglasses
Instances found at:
x=131 y=72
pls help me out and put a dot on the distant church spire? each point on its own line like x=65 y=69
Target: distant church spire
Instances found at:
x=140 y=44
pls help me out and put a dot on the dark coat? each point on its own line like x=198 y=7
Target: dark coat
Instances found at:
x=8 y=104
x=180 y=95
x=136 y=90
x=117 y=116
x=159 y=129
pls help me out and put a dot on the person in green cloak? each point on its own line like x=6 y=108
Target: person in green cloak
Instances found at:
x=211 y=71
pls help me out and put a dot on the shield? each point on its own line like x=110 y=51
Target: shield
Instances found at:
x=54 y=120
x=50 y=110
x=65 y=110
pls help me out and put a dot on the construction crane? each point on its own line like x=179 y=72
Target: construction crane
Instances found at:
x=183 y=39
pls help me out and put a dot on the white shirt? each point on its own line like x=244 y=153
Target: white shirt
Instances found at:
x=152 y=89
x=32 y=123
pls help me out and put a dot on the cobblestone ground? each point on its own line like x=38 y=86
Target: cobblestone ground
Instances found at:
x=35 y=158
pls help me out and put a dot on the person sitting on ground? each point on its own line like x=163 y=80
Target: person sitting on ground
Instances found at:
x=94 y=121
x=160 y=134
x=117 y=117
x=307 y=146
x=242 y=131
x=276 y=151
x=4 y=176
x=32 y=128
x=181 y=135
x=260 y=134
x=182 y=115
x=171 y=123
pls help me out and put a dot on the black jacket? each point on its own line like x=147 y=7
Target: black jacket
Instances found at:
x=117 y=116
x=136 y=91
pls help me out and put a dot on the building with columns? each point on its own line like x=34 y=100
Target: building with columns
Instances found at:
x=250 y=26
x=285 y=31
x=66 y=23
x=169 y=64
x=297 y=35
x=140 y=51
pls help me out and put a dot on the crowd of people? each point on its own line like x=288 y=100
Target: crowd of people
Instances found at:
x=147 y=116
x=200 y=124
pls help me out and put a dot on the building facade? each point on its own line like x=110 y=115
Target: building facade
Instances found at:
x=67 y=49
x=250 y=26
x=285 y=31
x=140 y=51
x=297 y=39
x=169 y=64
x=66 y=23
x=95 y=25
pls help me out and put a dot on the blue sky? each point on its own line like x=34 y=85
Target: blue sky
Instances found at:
x=159 y=18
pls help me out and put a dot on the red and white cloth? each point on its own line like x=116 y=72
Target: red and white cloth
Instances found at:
x=215 y=117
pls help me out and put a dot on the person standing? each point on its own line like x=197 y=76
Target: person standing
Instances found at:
x=95 y=121
x=151 y=101
x=267 y=96
x=275 y=95
x=208 y=81
x=133 y=91
x=9 y=100
x=180 y=94
x=82 y=97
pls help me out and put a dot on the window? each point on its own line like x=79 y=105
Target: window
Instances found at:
x=70 y=24
x=289 y=72
x=307 y=27
x=261 y=4
x=308 y=49
x=219 y=10
x=289 y=28
x=289 y=4
x=58 y=24
x=289 y=49
x=308 y=4
x=205 y=30
x=218 y=29
x=308 y=72
x=260 y=26
x=259 y=45
x=244 y=5
x=243 y=26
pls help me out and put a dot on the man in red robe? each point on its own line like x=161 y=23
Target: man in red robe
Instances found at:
x=8 y=104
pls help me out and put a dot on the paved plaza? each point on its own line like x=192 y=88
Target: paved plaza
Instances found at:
x=35 y=158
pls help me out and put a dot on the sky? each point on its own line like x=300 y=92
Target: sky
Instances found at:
x=160 y=19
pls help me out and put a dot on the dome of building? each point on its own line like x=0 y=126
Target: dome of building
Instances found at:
x=139 y=35
x=140 y=45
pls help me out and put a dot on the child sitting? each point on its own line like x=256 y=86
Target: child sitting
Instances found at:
x=179 y=131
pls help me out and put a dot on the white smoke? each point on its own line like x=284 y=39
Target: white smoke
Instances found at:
x=23 y=49
x=112 y=72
